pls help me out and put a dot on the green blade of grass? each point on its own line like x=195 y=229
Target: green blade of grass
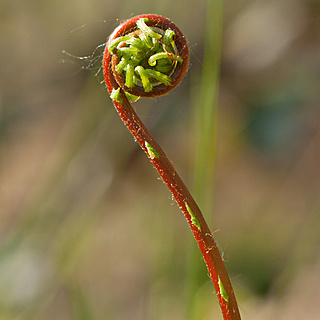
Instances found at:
x=204 y=119
x=206 y=111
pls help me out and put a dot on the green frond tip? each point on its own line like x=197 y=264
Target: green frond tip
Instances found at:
x=163 y=60
x=129 y=76
x=115 y=96
x=141 y=24
x=153 y=59
x=158 y=76
x=114 y=43
x=194 y=220
x=122 y=65
x=151 y=152
x=168 y=40
x=223 y=291
x=144 y=78
x=136 y=43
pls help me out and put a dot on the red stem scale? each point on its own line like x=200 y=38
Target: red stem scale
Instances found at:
x=187 y=204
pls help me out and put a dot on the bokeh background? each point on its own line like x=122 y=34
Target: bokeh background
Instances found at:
x=87 y=231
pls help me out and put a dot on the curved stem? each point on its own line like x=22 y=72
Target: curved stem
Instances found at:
x=187 y=204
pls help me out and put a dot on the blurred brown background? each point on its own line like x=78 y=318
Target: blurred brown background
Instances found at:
x=86 y=229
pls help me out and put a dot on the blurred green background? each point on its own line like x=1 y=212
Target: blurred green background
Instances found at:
x=86 y=229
